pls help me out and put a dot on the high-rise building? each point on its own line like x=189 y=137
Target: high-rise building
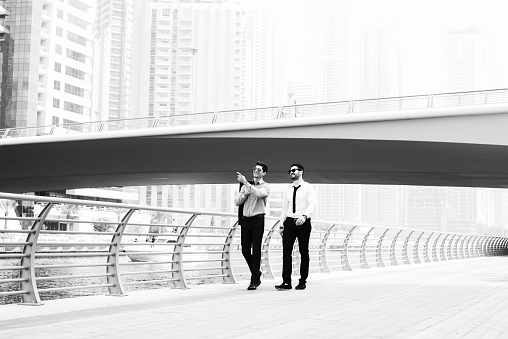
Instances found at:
x=381 y=205
x=340 y=203
x=334 y=73
x=190 y=57
x=6 y=69
x=465 y=57
x=426 y=208
x=52 y=61
x=265 y=77
x=113 y=59
x=379 y=67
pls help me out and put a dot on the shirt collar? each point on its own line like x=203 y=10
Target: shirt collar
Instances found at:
x=300 y=184
x=260 y=182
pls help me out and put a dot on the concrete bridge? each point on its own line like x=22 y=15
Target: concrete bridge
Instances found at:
x=460 y=144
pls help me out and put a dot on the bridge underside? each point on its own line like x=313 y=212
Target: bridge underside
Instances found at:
x=214 y=160
x=464 y=147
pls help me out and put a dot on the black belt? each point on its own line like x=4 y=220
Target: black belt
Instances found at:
x=295 y=219
x=255 y=216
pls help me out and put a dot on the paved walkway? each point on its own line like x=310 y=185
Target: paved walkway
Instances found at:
x=456 y=299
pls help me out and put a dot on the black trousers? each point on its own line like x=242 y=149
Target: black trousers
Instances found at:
x=251 y=240
x=291 y=233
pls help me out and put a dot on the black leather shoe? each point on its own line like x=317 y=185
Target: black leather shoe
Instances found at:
x=300 y=286
x=284 y=286
x=253 y=286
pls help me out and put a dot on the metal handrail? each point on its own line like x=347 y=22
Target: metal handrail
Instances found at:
x=333 y=246
x=408 y=102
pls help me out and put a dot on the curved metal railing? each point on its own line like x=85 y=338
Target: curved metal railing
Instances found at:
x=454 y=99
x=100 y=247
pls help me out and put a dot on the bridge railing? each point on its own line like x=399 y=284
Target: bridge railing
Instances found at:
x=266 y=113
x=94 y=247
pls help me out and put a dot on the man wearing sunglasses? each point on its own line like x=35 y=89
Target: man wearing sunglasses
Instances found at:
x=298 y=204
x=253 y=196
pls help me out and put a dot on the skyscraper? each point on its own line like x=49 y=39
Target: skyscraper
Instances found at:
x=113 y=59
x=52 y=61
x=6 y=69
x=190 y=57
x=333 y=60
x=265 y=77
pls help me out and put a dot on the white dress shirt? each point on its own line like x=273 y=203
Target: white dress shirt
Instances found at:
x=305 y=201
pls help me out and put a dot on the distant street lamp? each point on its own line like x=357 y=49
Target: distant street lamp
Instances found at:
x=193 y=108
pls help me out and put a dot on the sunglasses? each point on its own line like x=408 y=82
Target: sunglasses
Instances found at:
x=258 y=169
x=293 y=170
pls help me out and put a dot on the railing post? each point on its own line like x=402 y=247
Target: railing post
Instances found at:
x=215 y=116
x=430 y=101
x=451 y=249
x=30 y=284
x=155 y=122
x=460 y=254
x=393 y=255
x=178 y=255
x=379 y=250
x=323 y=261
x=351 y=107
x=426 y=255
x=265 y=252
x=345 y=258
x=226 y=256
x=466 y=247
x=363 y=250
x=434 y=248
x=6 y=133
x=280 y=112
x=416 y=254
x=405 y=254
x=114 y=248
x=443 y=250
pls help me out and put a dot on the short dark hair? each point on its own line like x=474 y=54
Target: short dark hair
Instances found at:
x=263 y=165
x=300 y=167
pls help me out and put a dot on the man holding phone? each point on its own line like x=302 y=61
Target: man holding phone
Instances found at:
x=253 y=197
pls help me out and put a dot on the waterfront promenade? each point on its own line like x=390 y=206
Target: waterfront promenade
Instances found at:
x=453 y=299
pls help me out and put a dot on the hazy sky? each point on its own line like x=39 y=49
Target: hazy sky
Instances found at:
x=422 y=27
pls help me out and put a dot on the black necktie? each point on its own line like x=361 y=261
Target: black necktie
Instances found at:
x=294 y=198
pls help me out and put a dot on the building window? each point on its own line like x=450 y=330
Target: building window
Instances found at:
x=74 y=90
x=58 y=67
x=55 y=120
x=56 y=85
x=59 y=31
x=75 y=108
x=56 y=103
x=76 y=55
x=58 y=49
x=59 y=14
x=76 y=38
x=77 y=21
x=79 y=5
x=76 y=73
